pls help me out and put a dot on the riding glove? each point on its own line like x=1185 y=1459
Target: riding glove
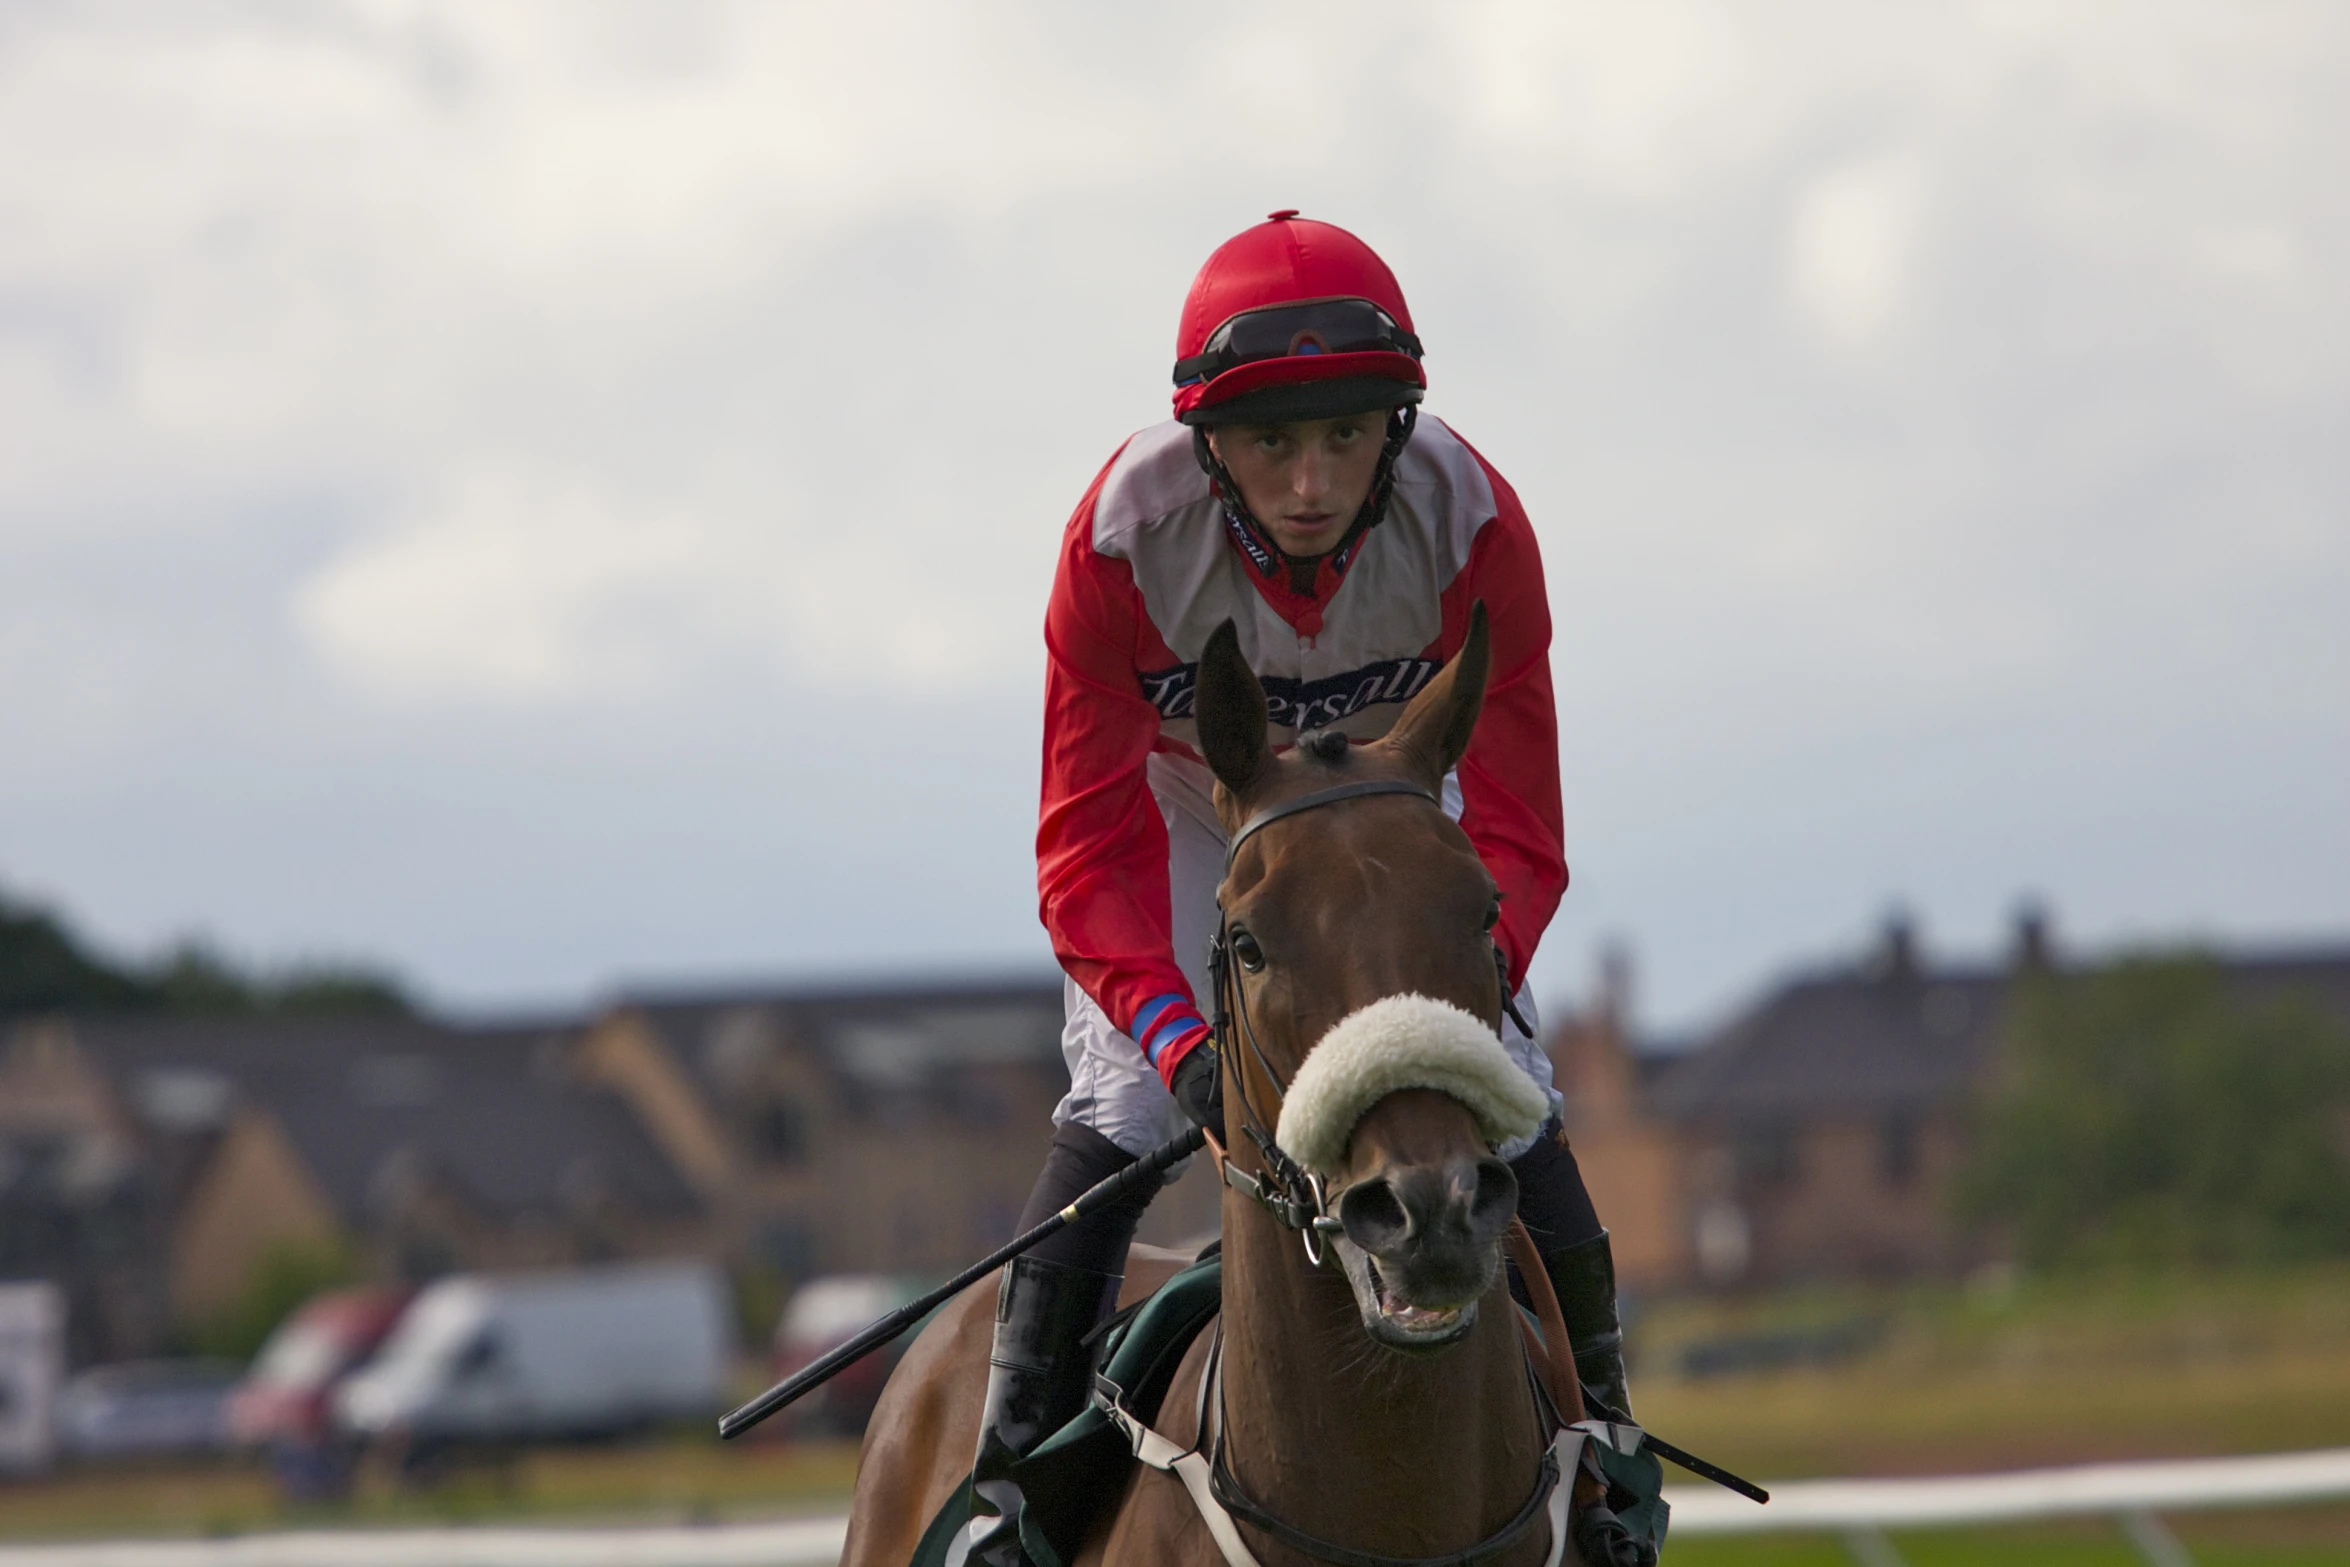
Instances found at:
x=1199 y=1087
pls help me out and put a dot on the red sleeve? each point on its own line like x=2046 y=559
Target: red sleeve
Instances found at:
x=1510 y=778
x=1101 y=846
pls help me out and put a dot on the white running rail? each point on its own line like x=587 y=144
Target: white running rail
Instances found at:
x=2168 y=1486
x=1859 y=1510
x=2134 y=1495
x=801 y=1542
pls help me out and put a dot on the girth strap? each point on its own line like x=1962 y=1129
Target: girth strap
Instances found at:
x=1191 y=1467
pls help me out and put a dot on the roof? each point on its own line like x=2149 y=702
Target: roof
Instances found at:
x=491 y=1112
x=877 y=1035
x=1894 y=1037
x=2319 y=974
x=1840 y=1042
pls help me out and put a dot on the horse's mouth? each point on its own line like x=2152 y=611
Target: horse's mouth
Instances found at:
x=1394 y=1320
x=1420 y=1323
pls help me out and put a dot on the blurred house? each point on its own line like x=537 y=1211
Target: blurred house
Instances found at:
x=887 y=1128
x=1817 y=1134
x=151 y=1166
x=1630 y=1160
x=1822 y=1128
x=80 y=1194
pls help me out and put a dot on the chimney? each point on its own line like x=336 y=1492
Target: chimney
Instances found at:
x=1615 y=986
x=1896 y=961
x=2035 y=949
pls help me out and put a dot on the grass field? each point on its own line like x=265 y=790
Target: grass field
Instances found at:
x=2015 y=1377
x=1951 y=1381
x=2028 y=1375
x=683 y=1477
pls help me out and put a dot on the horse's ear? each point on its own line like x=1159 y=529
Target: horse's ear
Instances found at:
x=1230 y=712
x=1433 y=733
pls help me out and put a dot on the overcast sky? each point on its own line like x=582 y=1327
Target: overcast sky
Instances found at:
x=554 y=496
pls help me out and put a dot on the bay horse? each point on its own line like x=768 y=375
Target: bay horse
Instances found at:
x=1381 y=1407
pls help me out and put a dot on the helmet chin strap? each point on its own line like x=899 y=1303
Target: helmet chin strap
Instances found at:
x=1374 y=508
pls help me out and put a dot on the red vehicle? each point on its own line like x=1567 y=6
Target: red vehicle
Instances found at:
x=824 y=1314
x=285 y=1403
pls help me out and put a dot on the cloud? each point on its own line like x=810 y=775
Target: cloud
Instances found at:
x=517 y=587
x=512 y=587
x=407 y=391
x=1852 y=250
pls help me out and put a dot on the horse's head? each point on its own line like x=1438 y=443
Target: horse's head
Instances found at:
x=1361 y=975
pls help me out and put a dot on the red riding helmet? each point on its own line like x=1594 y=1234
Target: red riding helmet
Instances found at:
x=1294 y=319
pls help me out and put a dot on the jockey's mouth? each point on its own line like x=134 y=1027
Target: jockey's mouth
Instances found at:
x=1307 y=535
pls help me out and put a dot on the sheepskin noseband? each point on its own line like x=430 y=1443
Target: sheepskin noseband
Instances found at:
x=1393 y=1044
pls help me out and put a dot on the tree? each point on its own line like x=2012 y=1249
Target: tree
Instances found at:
x=44 y=968
x=288 y=1273
x=2144 y=1114
x=196 y=981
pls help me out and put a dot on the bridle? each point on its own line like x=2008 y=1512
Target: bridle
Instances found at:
x=1293 y=1195
x=1298 y=1199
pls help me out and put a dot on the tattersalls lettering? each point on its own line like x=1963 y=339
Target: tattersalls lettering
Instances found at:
x=1302 y=704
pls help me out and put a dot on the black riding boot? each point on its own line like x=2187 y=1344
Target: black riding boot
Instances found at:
x=1584 y=1276
x=1038 y=1379
x=1039 y=1371
x=1558 y=1214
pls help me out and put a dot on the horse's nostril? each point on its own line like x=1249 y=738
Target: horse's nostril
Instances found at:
x=1497 y=1194
x=1374 y=1217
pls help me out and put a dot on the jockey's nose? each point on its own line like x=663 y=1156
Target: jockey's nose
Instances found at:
x=1423 y=1213
x=1306 y=484
x=1312 y=478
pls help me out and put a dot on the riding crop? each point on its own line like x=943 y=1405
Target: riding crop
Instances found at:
x=1681 y=1455
x=881 y=1331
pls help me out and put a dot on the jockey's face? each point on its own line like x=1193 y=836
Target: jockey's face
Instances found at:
x=1304 y=482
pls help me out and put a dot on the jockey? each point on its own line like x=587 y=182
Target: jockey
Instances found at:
x=1299 y=492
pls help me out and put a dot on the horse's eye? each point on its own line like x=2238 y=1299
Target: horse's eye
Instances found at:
x=1493 y=912
x=1245 y=948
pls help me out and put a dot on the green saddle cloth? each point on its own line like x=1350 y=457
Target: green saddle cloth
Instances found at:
x=1076 y=1470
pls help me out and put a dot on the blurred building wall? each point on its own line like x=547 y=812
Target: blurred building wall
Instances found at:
x=254 y=1194
x=1818 y=1134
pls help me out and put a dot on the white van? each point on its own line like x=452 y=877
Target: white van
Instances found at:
x=537 y=1356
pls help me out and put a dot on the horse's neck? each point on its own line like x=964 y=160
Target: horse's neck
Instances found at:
x=1353 y=1442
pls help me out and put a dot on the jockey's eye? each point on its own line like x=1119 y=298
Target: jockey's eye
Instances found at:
x=1245 y=948
x=1493 y=912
